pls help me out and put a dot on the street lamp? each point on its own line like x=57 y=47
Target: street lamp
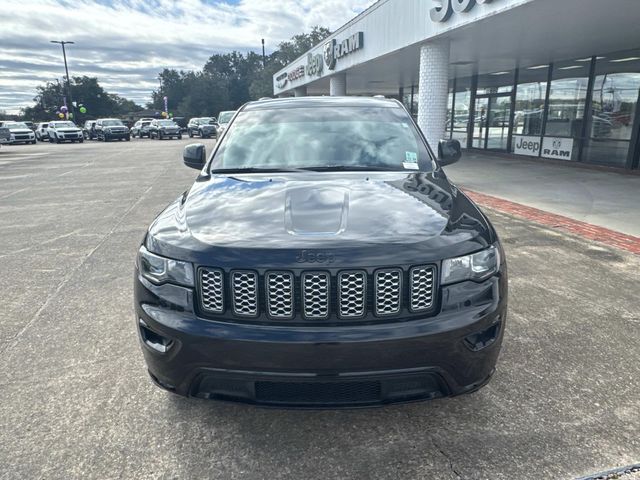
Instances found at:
x=66 y=69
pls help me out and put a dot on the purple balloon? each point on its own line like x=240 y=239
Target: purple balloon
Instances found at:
x=63 y=109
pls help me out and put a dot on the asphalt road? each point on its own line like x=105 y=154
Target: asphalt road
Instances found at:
x=75 y=400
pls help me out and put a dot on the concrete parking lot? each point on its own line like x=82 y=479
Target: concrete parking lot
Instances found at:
x=76 y=402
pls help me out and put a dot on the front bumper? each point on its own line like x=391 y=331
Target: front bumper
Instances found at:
x=71 y=136
x=448 y=354
x=116 y=134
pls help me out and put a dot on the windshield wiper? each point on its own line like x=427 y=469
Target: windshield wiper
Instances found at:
x=257 y=170
x=352 y=168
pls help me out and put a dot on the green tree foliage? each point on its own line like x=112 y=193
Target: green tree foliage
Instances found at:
x=229 y=80
x=84 y=90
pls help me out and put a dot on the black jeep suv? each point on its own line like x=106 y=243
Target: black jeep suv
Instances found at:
x=107 y=129
x=321 y=259
x=202 y=127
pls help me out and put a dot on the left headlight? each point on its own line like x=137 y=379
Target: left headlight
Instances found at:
x=161 y=270
x=477 y=266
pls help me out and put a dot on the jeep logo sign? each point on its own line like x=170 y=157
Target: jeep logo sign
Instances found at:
x=560 y=148
x=314 y=64
x=527 y=145
x=334 y=50
x=445 y=8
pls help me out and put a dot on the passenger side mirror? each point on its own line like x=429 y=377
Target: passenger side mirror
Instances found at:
x=195 y=156
x=449 y=151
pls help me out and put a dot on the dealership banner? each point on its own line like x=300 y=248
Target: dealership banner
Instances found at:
x=523 y=145
x=557 y=147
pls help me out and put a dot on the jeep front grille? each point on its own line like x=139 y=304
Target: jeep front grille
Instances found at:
x=352 y=290
x=244 y=290
x=311 y=295
x=421 y=288
x=388 y=287
x=280 y=295
x=315 y=295
x=212 y=290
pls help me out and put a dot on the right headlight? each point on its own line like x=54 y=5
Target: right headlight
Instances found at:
x=476 y=266
x=161 y=270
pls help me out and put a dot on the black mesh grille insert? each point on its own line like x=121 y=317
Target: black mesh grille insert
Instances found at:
x=318 y=392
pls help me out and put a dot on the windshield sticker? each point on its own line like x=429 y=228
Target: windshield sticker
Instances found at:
x=411 y=157
x=410 y=165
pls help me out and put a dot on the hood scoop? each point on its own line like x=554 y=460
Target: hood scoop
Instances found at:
x=316 y=211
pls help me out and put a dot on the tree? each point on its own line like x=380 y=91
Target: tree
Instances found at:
x=84 y=90
x=229 y=80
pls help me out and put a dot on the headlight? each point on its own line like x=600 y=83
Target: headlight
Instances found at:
x=160 y=270
x=477 y=266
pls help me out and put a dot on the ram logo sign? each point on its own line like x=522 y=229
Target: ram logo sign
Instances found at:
x=560 y=148
x=334 y=50
x=443 y=9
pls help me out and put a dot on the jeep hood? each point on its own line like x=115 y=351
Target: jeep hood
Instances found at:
x=320 y=211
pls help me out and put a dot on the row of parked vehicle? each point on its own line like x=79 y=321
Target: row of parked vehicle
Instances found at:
x=107 y=129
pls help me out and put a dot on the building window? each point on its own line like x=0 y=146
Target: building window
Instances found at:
x=460 y=118
x=530 y=100
x=567 y=100
x=614 y=102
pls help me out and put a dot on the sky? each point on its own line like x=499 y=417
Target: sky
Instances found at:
x=126 y=43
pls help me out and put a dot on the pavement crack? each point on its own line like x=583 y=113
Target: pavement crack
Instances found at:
x=447 y=458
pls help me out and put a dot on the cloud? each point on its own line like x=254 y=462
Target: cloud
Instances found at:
x=125 y=43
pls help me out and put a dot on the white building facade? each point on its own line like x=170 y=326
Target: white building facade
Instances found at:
x=555 y=79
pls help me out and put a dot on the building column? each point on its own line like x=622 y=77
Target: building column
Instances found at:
x=338 y=85
x=300 y=92
x=434 y=91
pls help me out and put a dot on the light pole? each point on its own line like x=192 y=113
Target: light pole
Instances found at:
x=66 y=69
x=264 y=57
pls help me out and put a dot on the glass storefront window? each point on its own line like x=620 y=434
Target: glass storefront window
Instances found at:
x=530 y=100
x=567 y=99
x=460 y=118
x=614 y=103
x=449 y=113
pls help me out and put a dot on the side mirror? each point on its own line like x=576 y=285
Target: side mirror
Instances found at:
x=449 y=151
x=195 y=156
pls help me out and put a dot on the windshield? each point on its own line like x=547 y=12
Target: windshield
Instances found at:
x=225 y=117
x=63 y=125
x=206 y=120
x=166 y=123
x=325 y=138
x=16 y=125
x=112 y=123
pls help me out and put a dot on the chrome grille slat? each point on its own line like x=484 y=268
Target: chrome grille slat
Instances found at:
x=421 y=287
x=279 y=290
x=244 y=289
x=316 y=290
x=352 y=294
x=388 y=284
x=212 y=290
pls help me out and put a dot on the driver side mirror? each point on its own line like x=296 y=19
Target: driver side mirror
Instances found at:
x=449 y=151
x=195 y=156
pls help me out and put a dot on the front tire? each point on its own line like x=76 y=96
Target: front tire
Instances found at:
x=160 y=136
x=127 y=138
x=81 y=140
x=33 y=142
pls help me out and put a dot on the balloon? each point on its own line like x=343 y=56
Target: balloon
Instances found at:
x=164 y=114
x=83 y=110
x=61 y=115
x=63 y=109
x=170 y=115
x=71 y=115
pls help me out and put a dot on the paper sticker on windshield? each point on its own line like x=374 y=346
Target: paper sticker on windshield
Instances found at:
x=411 y=157
x=410 y=165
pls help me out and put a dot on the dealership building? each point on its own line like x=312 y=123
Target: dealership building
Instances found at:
x=557 y=79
